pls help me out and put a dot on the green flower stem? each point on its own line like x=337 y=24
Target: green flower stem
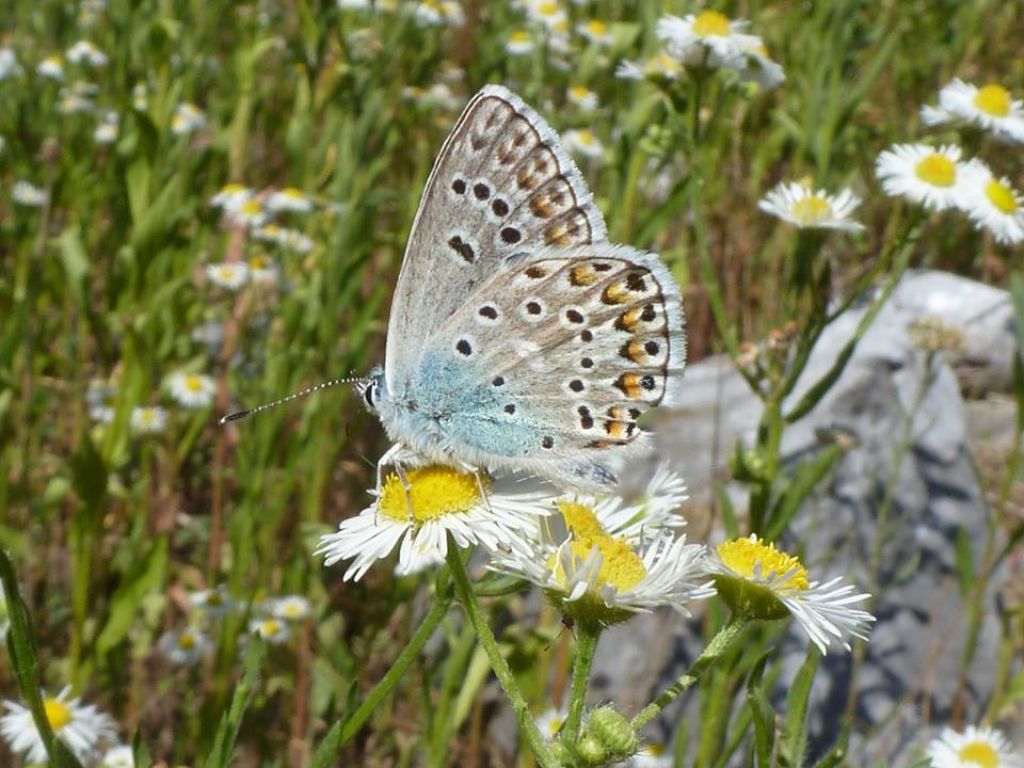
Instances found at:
x=719 y=644
x=586 y=644
x=411 y=652
x=476 y=617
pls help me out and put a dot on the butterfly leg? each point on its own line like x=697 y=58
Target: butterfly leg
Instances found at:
x=397 y=456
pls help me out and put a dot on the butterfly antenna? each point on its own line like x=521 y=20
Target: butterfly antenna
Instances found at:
x=245 y=412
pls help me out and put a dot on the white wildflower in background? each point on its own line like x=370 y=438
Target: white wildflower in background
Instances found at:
x=991 y=108
x=82 y=727
x=548 y=13
x=29 y=195
x=709 y=39
x=993 y=203
x=661 y=66
x=355 y=5
x=191 y=390
x=289 y=199
x=262 y=270
x=100 y=397
x=550 y=722
x=437 y=95
x=766 y=583
x=106 y=131
x=214 y=603
x=439 y=501
x=75 y=100
x=432 y=13
x=148 y=419
x=583 y=142
x=52 y=68
x=184 y=646
x=187 y=118
x=650 y=756
x=230 y=275
x=806 y=208
x=595 y=31
x=271 y=629
x=929 y=176
x=140 y=97
x=761 y=69
x=519 y=43
x=582 y=97
x=118 y=757
x=9 y=66
x=246 y=213
x=289 y=239
x=85 y=52
x=974 y=748
x=231 y=196
x=289 y=608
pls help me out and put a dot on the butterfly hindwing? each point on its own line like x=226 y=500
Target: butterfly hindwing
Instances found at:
x=502 y=184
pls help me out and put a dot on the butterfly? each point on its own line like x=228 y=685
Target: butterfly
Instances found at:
x=520 y=339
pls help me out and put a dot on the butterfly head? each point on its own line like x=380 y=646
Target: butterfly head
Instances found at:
x=371 y=388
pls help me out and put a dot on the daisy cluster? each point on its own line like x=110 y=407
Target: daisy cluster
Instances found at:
x=273 y=620
x=190 y=391
x=89 y=733
x=706 y=41
x=940 y=178
x=599 y=560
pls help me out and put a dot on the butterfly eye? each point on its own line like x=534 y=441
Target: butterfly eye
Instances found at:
x=368 y=395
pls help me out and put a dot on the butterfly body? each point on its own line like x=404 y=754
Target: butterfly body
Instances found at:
x=520 y=339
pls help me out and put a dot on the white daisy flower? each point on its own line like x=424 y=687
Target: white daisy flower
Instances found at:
x=993 y=203
x=434 y=13
x=355 y=5
x=187 y=118
x=106 y=132
x=52 y=68
x=100 y=398
x=118 y=757
x=550 y=722
x=148 y=419
x=761 y=69
x=84 y=52
x=650 y=756
x=290 y=608
x=271 y=629
x=245 y=213
x=548 y=13
x=990 y=107
x=805 y=208
x=582 y=97
x=184 y=647
x=140 y=97
x=9 y=66
x=595 y=31
x=584 y=142
x=974 y=748
x=231 y=196
x=661 y=66
x=80 y=726
x=289 y=199
x=709 y=39
x=289 y=239
x=215 y=603
x=929 y=176
x=230 y=275
x=440 y=500
x=74 y=101
x=29 y=195
x=191 y=390
x=519 y=43
x=592 y=563
x=766 y=583
x=263 y=270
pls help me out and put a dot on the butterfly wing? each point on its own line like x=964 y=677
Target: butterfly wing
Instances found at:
x=548 y=366
x=501 y=184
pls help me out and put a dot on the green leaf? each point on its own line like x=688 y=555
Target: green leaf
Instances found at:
x=964 y=561
x=794 y=739
x=75 y=261
x=476 y=674
x=146 y=576
x=89 y=473
x=762 y=714
x=224 y=742
x=803 y=482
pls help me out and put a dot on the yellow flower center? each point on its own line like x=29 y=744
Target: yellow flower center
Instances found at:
x=433 y=492
x=1001 y=196
x=292 y=192
x=270 y=627
x=711 y=23
x=291 y=610
x=232 y=189
x=993 y=100
x=621 y=566
x=186 y=641
x=58 y=714
x=271 y=230
x=596 y=27
x=147 y=416
x=980 y=753
x=586 y=138
x=580 y=519
x=555 y=725
x=579 y=92
x=937 y=170
x=520 y=36
x=745 y=556
x=226 y=272
x=811 y=209
x=259 y=262
x=662 y=64
x=547 y=9
x=193 y=383
x=251 y=208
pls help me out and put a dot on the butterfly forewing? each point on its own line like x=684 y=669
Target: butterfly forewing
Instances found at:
x=502 y=185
